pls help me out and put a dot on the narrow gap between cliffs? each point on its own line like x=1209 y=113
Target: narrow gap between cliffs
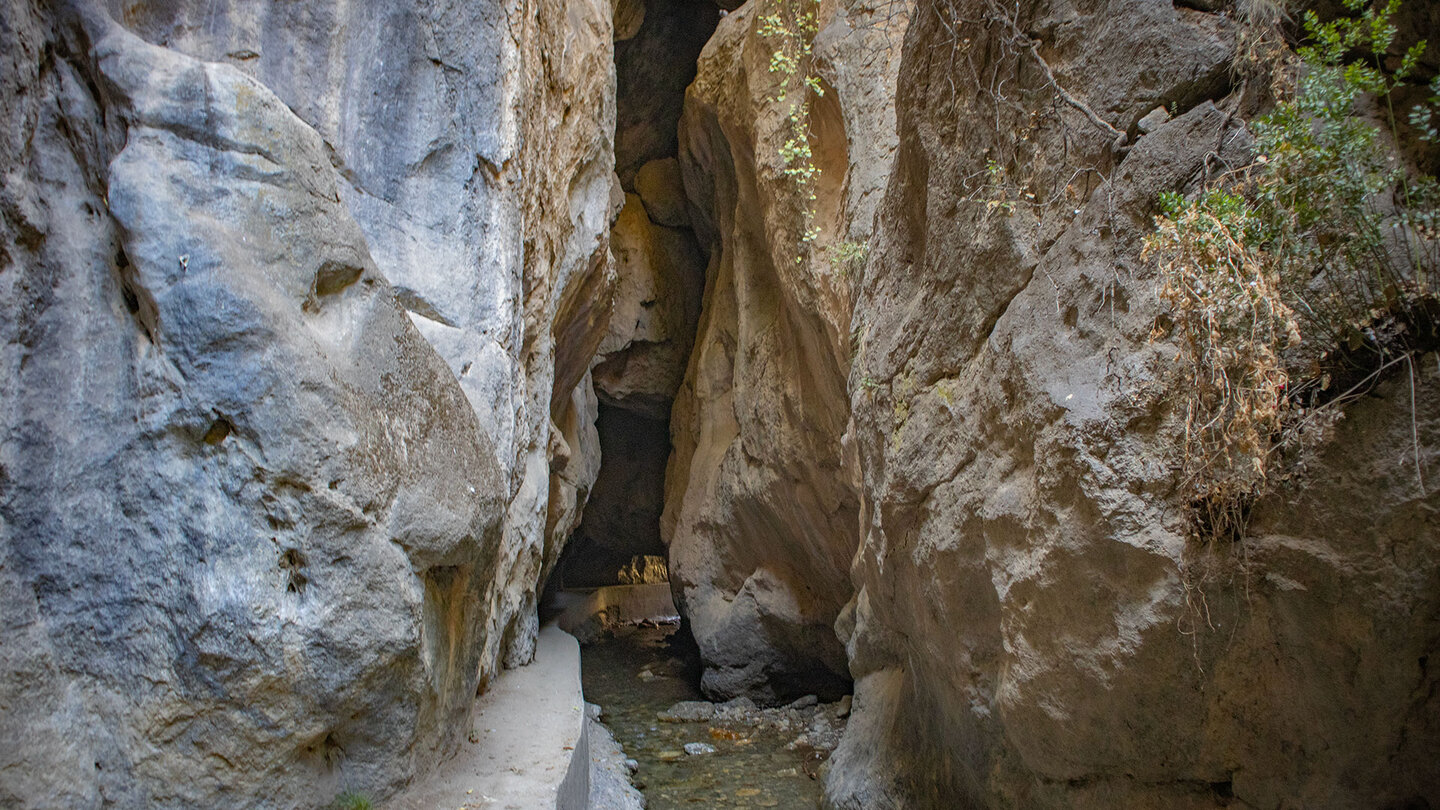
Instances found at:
x=611 y=587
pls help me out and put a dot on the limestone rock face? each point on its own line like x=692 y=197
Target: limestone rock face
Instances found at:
x=760 y=512
x=659 y=283
x=270 y=521
x=479 y=169
x=1031 y=628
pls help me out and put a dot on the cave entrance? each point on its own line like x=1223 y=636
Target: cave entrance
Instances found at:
x=618 y=541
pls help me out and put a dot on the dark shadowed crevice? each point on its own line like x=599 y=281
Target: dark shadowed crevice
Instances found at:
x=622 y=521
x=660 y=273
x=654 y=63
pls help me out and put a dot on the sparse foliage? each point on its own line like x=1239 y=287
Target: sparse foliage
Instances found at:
x=792 y=25
x=352 y=800
x=1317 y=255
x=846 y=257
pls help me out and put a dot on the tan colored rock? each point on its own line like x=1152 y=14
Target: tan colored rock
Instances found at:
x=662 y=189
x=645 y=570
x=629 y=16
x=660 y=280
x=1031 y=627
x=760 y=514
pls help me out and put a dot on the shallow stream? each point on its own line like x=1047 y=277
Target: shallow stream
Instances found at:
x=639 y=672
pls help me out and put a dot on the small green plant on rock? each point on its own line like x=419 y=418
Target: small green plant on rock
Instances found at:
x=1297 y=279
x=352 y=800
x=847 y=257
x=791 y=25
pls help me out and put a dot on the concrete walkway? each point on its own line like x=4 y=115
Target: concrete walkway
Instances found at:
x=530 y=750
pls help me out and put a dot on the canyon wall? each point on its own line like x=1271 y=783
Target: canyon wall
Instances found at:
x=760 y=509
x=300 y=302
x=1031 y=626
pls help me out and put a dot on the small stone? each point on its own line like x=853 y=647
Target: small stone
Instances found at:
x=688 y=711
x=1153 y=120
x=669 y=756
x=804 y=702
x=695 y=749
x=842 y=707
x=741 y=703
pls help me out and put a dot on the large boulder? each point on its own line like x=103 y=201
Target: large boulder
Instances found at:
x=1032 y=627
x=270 y=522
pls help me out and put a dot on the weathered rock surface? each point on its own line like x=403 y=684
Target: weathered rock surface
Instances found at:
x=260 y=544
x=1031 y=628
x=760 y=514
x=659 y=283
x=479 y=169
x=654 y=64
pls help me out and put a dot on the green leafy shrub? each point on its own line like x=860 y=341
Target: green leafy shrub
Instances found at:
x=791 y=25
x=1293 y=279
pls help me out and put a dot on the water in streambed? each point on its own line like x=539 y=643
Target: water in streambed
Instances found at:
x=761 y=758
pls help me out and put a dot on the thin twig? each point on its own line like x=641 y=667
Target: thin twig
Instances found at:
x=1034 y=47
x=1414 y=430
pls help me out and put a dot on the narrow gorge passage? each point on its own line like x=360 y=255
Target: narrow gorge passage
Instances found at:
x=646 y=680
x=658 y=283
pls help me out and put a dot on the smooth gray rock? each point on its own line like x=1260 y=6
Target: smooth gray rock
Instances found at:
x=610 y=771
x=246 y=505
x=458 y=139
x=688 y=711
x=260 y=545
